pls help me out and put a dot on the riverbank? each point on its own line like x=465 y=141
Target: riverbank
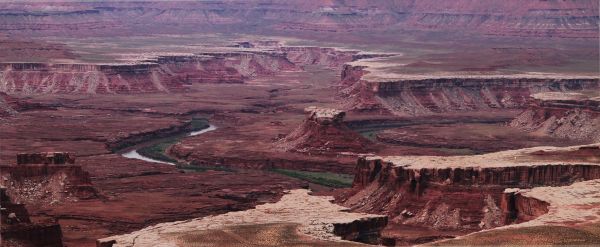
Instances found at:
x=155 y=151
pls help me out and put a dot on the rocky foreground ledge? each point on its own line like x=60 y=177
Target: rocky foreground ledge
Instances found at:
x=315 y=217
x=571 y=219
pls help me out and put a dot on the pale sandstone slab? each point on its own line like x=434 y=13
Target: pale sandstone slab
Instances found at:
x=315 y=214
x=510 y=158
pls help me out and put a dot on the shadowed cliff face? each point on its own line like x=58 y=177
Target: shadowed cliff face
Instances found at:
x=565 y=19
x=47 y=178
x=17 y=228
x=456 y=199
x=162 y=74
x=573 y=118
x=439 y=95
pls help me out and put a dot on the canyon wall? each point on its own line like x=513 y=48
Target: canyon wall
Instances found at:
x=459 y=198
x=160 y=74
x=438 y=95
x=564 y=118
x=46 y=178
x=276 y=160
x=130 y=139
x=548 y=19
x=18 y=230
x=366 y=230
x=165 y=73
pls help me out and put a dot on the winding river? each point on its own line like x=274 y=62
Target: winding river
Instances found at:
x=133 y=154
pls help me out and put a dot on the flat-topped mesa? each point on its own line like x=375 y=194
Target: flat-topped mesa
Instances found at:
x=49 y=177
x=324 y=131
x=465 y=192
x=423 y=95
x=563 y=115
x=56 y=158
x=147 y=74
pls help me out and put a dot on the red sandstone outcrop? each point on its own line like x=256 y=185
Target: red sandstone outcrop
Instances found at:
x=46 y=178
x=463 y=193
x=165 y=73
x=421 y=95
x=572 y=116
x=324 y=131
x=55 y=158
x=17 y=229
x=159 y=74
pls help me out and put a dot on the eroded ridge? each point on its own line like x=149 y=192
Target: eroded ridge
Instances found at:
x=47 y=178
x=316 y=215
x=466 y=193
x=368 y=87
x=572 y=204
x=564 y=115
x=570 y=217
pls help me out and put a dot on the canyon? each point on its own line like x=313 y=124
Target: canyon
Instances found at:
x=323 y=123
x=570 y=19
x=165 y=73
x=419 y=191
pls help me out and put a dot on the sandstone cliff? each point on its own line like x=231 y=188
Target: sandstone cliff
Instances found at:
x=464 y=192
x=164 y=73
x=421 y=95
x=572 y=116
x=46 y=178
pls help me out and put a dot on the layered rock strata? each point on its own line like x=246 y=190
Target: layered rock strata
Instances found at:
x=47 y=178
x=466 y=192
x=573 y=116
x=546 y=19
x=420 y=95
x=163 y=73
